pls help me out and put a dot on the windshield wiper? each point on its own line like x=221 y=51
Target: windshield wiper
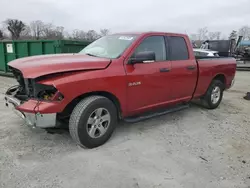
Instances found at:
x=91 y=55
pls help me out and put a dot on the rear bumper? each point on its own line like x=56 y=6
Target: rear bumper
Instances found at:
x=230 y=85
x=32 y=118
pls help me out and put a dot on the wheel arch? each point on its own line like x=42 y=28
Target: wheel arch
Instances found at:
x=71 y=105
x=221 y=77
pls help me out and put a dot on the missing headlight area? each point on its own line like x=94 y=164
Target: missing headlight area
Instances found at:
x=47 y=92
x=46 y=95
x=30 y=89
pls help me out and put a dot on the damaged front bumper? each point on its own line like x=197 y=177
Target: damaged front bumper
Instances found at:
x=34 y=119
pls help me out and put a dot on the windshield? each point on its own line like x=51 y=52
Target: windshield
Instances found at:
x=111 y=46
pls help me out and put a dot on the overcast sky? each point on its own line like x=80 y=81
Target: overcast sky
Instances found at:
x=184 y=16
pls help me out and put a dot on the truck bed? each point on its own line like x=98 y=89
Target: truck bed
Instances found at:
x=211 y=57
x=207 y=72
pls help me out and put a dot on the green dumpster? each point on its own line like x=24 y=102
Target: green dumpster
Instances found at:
x=10 y=50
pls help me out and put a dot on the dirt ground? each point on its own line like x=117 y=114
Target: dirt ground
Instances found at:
x=188 y=149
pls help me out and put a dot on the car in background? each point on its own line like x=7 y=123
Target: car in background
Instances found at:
x=205 y=52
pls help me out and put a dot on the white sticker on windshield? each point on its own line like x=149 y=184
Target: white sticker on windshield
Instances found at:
x=125 y=38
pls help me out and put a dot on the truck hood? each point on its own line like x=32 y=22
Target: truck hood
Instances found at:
x=36 y=66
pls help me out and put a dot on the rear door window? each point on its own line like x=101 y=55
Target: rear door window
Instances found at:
x=178 y=48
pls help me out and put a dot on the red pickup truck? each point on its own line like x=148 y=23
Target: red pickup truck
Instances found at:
x=126 y=76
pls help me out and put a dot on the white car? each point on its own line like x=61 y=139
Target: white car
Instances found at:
x=202 y=52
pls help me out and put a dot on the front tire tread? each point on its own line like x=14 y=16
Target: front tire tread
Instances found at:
x=76 y=116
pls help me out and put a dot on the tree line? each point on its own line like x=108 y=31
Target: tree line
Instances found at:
x=14 y=29
x=204 y=34
x=18 y=30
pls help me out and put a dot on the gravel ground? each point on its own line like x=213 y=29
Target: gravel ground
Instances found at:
x=191 y=148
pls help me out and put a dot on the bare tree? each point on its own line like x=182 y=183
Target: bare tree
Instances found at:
x=193 y=36
x=202 y=33
x=59 y=32
x=37 y=29
x=244 y=32
x=79 y=35
x=47 y=30
x=104 y=32
x=1 y=35
x=211 y=36
x=52 y=32
x=214 y=35
x=218 y=35
x=67 y=35
x=26 y=33
x=15 y=27
x=233 y=35
x=92 y=35
x=75 y=34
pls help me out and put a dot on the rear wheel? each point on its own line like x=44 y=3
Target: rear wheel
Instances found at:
x=214 y=94
x=93 y=121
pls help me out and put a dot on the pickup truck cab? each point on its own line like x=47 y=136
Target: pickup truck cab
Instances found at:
x=126 y=76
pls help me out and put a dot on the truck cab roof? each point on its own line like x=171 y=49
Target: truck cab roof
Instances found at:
x=149 y=33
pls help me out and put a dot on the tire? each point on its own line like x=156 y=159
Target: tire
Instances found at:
x=208 y=100
x=84 y=123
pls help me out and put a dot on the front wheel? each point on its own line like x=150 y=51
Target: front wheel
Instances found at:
x=93 y=121
x=214 y=94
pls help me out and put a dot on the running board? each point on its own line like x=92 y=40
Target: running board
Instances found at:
x=148 y=116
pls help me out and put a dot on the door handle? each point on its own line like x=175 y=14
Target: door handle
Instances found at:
x=191 y=67
x=164 y=70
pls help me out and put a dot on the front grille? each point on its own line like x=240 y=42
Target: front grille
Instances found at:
x=29 y=87
x=24 y=85
x=19 y=77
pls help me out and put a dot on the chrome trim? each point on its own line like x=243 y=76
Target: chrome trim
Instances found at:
x=149 y=61
x=232 y=83
x=13 y=100
x=31 y=119
x=40 y=120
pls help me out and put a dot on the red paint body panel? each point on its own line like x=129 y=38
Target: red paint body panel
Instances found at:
x=72 y=85
x=36 y=66
x=156 y=89
x=210 y=68
x=183 y=80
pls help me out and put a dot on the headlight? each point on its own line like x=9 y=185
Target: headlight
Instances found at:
x=47 y=92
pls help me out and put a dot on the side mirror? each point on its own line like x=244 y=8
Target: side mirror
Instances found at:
x=141 y=57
